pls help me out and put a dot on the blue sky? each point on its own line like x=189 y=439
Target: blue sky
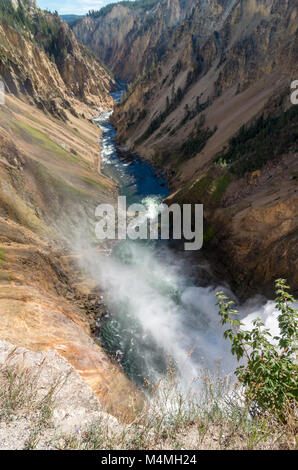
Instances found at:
x=77 y=7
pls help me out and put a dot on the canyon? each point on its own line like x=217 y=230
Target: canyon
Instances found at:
x=202 y=115
x=206 y=75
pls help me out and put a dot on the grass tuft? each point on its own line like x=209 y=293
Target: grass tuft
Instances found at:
x=20 y=392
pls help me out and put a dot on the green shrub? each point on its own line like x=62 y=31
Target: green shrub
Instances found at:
x=208 y=234
x=2 y=254
x=270 y=371
x=196 y=141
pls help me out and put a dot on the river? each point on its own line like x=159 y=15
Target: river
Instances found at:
x=159 y=310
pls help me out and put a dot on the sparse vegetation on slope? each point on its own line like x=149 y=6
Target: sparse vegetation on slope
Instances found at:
x=16 y=17
x=134 y=5
x=265 y=139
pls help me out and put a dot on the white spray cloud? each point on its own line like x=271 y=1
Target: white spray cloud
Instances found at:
x=149 y=286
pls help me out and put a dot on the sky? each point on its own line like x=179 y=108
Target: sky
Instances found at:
x=78 y=7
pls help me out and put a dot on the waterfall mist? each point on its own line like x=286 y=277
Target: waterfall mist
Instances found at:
x=160 y=313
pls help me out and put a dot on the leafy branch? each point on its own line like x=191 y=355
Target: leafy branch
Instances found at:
x=269 y=373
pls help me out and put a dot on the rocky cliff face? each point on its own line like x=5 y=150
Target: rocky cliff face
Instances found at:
x=50 y=185
x=41 y=58
x=222 y=65
x=130 y=39
x=214 y=58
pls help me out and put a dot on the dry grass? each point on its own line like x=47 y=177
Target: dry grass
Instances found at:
x=21 y=394
x=214 y=418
